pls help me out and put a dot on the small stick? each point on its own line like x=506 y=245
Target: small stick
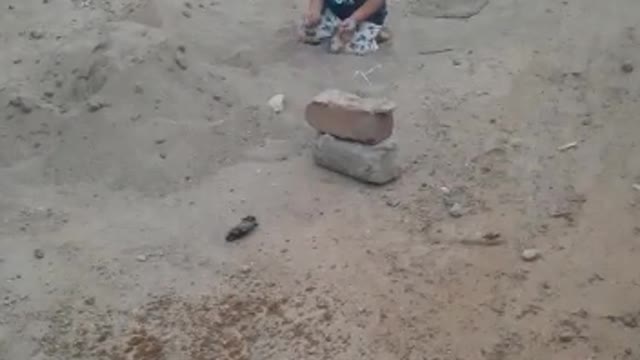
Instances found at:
x=434 y=52
x=568 y=146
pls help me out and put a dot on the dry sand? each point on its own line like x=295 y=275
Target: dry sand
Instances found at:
x=134 y=134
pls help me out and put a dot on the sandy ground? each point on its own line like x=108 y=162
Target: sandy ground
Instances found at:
x=134 y=134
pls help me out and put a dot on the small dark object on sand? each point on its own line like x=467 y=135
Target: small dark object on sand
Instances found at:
x=627 y=68
x=246 y=226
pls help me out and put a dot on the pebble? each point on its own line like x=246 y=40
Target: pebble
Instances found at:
x=636 y=187
x=96 y=104
x=277 y=103
x=245 y=269
x=180 y=58
x=566 y=336
x=530 y=254
x=141 y=258
x=456 y=210
x=36 y=34
x=24 y=105
x=627 y=68
x=568 y=146
x=38 y=254
x=90 y=301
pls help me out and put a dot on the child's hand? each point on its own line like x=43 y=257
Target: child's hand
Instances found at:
x=347 y=25
x=314 y=13
x=346 y=29
x=312 y=18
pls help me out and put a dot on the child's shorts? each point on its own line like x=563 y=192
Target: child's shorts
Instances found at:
x=364 y=39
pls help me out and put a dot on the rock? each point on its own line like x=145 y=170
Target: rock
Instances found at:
x=141 y=258
x=566 y=336
x=180 y=58
x=246 y=227
x=245 y=269
x=627 y=68
x=351 y=117
x=90 y=301
x=38 y=254
x=630 y=320
x=530 y=255
x=636 y=187
x=36 y=34
x=23 y=104
x=96 y=104
x=372 y=164
x=568 y=146
x=277 y=103
x=456 y=210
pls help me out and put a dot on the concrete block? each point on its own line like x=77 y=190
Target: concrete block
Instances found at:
x=376 y=164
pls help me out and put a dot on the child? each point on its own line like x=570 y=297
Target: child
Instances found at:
x=354 y=26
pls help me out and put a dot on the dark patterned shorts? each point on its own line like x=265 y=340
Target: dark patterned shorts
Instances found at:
x=361 y=41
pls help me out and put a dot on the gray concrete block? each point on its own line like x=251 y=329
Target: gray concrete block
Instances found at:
x=376 y=164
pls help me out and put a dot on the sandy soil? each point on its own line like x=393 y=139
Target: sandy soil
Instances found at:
x=134 y=134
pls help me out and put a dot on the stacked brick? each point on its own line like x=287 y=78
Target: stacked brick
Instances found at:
x=354 y=136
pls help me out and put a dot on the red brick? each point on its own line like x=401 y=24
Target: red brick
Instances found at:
x=351 y=117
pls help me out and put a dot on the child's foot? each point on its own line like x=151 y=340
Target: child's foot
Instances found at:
x=340 y=41
x=308 y=35
x=310 y=39
x=384 y=35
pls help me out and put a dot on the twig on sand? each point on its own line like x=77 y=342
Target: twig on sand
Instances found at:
x=434 y=52
x=568 y=146
x=489 y=239
x=365 y=74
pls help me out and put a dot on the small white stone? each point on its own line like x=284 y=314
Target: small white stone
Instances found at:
x=568 y=146
x=530 y=254
x=456 y=210
x=277 y=103
x=245 y=269
x=141 y=258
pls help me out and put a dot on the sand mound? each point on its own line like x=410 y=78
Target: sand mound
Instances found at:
x=117 y=106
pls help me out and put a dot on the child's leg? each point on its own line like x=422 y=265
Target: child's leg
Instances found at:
x=324 y=30
x=364 y=39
